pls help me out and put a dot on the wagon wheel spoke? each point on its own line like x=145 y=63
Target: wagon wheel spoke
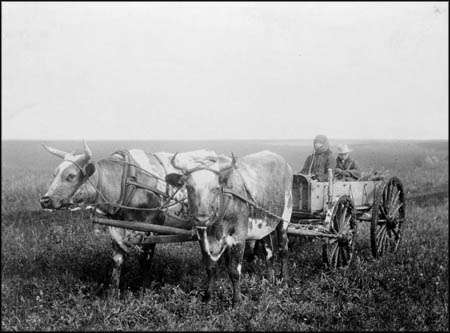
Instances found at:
x=383 y=211
x=391 y=240
x=397 y=240
x=381 y=239
x=346 y=226
x=396 y=233
x=380 y=231
x=394 y=197
x=391 y=193
x=385 y=196
x=392 y=206
x=332 y=241
x=396 y=209
x=336 y=257
x=382 y=243
x=333 y=253
x=342 y=219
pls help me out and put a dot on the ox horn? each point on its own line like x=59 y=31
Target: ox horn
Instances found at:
x=87 y=150
x=55 y=151
x=172 y=161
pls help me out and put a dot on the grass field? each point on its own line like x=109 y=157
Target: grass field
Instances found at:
x=52 y=263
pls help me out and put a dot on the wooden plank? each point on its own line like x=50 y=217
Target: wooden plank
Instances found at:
x=168 y=239
x=142 y=226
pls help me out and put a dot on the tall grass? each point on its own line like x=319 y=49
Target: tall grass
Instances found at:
x=53 y=263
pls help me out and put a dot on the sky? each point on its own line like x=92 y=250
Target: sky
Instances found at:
x=224 y=70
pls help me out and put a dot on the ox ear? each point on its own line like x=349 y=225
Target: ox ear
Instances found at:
x=225 y=174
x=175 y=179
x=89 y=169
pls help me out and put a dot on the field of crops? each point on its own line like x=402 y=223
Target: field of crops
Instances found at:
x=53 y=263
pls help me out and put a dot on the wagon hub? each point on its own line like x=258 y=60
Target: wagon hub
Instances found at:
x=391 y=222
x=343 y=239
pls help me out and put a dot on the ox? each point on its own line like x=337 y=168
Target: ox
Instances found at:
x=219 y=193
x=78 y=180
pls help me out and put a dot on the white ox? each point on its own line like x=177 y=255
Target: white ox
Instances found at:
x=218 y=193
x=78 y=180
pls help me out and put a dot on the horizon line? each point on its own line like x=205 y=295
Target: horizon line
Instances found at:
x=225 y=139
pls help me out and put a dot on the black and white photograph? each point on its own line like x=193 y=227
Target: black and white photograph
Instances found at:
x=224 y=166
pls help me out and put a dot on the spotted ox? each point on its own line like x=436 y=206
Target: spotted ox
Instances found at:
x=78 y=180
x=217 y=194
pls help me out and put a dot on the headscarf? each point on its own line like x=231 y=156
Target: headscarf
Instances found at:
x=324 y=141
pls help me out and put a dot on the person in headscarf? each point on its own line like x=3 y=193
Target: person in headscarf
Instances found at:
x=320 y=161
x=346 y=168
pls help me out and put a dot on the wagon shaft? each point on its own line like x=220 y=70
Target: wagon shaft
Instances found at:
x=141 y=226
x=166 y=239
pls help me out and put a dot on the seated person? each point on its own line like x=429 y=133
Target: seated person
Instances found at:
x=320 y=161
x=346 y=168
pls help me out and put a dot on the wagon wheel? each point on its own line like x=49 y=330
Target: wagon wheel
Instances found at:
x=338 y=252
x=388 y=215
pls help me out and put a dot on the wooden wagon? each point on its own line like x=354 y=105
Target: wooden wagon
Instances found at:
x=333 y=209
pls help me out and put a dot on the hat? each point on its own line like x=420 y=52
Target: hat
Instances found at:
x=343 y=149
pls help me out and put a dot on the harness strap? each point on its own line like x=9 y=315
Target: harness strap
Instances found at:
x=237 y=195
x=130 y=185
x=250 y=201
x=164 y=169
x=125 y=172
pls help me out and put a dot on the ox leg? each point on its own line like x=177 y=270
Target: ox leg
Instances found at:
x=118 y=258
x=234 y=257
x=269 y=258
x=250 y=254
x=283 y=250
x=145 y=260
x=211 y=271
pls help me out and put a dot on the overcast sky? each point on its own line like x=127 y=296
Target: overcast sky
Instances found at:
x=224 y=70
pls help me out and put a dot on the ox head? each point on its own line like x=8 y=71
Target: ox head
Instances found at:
x=203 y=180
x=68 y=177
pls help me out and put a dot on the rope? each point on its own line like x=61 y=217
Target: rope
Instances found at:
x=255 y=205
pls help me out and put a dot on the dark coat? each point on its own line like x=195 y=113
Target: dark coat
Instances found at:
x=346 y=170
x=318 y=164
